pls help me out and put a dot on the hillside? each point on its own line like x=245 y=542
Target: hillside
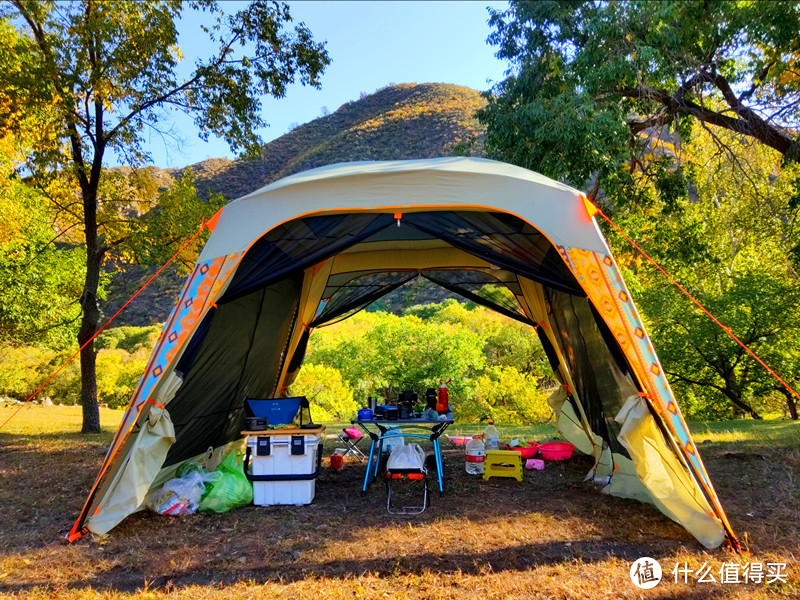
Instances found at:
x=397 y=122
x=403 y=121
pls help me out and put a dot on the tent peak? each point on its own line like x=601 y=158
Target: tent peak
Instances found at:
x=478 y=166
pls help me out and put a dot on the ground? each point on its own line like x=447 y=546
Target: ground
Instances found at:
x=552 y=536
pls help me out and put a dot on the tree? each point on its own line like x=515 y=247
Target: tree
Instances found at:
x=40 y=281
x=730 y=242
x=590 y=81
x=382 y=352
x=107 y=73
x=682 y=119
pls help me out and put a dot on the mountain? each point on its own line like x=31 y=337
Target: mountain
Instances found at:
x=403 y=121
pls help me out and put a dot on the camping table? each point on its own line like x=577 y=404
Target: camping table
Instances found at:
x=384 y=426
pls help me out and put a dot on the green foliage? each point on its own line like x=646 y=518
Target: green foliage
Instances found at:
x=637 y=99
x=125 y=57
x=40 y=274
x=331 y=397
x=377 y=351
x=590 y=81
x=118 y=373
x=505 y=395
x=728 y=246
x=99 y=75
x=121 y=360
x=129 y=339
x=24 y=369
x=155 y=236
x=507 y=343
x=497 y=364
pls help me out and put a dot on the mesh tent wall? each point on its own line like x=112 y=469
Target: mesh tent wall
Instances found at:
x=317 y=246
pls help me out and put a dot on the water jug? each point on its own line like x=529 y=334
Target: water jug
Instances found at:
x=491 y=437
x=475 y=456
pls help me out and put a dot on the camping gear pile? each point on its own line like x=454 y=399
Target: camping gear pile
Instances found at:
x=477 y=452
x=196 y=489
x=283 y=463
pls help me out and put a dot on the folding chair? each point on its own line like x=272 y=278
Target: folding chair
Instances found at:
x=393 y=475
x=350 y=437
x=398 y=468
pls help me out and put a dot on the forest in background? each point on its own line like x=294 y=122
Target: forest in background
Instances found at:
x=686 y=136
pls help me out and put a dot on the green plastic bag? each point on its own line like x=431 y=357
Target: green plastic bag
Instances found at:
x=233 y=490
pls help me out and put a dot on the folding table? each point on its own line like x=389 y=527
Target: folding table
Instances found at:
x=384 y=427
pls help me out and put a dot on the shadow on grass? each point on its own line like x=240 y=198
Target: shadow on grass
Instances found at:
x=512 y=558
x=45 y=478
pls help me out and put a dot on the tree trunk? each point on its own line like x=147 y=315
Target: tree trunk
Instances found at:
x=91 y=314
x=790 y=402
x=741 y=404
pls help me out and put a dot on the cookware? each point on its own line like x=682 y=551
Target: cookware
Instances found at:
x=255 y=424
x=431 y=398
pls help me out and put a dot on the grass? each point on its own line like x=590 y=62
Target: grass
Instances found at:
x=552 y=536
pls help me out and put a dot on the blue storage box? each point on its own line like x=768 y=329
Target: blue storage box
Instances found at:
x=277 y=411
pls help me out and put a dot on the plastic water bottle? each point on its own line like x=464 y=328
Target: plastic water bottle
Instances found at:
x=475 y=456
x=491 y=437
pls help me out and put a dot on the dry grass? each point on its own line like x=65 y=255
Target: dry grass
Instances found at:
x=552 y=536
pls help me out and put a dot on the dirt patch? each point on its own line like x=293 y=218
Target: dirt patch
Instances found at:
x=551 y=536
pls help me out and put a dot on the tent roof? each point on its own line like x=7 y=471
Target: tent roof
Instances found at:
x=554 y=208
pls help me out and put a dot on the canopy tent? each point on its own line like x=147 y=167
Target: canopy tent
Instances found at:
x=314 y=248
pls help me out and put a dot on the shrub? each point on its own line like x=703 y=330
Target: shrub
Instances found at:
x=330 y=396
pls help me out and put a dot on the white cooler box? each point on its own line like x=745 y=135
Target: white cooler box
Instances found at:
x=284 y=468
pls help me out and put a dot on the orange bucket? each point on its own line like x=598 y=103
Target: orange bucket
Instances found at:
x=337 y=462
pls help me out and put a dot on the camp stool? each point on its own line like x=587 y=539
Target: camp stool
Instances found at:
x=502 y=463
x=411 y=475
x=350 y=437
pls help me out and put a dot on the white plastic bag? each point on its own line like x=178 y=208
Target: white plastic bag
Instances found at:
x=408 y=456
x=181 y=496
x=393 y=439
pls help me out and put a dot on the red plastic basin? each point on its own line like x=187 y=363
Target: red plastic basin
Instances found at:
x=556 y=450
x=459 y=440
x=528 y=451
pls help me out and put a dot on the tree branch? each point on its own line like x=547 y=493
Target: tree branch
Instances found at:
x=683 y=378
x=47 y=245
x=751 y=125
x=760 y=77
x=181 y=88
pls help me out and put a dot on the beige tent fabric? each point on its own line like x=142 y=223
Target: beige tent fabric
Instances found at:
x=664 y=476
x=397 y=259
x=314 y=282
x=568 y=423
x=625 y=483
x=467 y=183
x=128 y=489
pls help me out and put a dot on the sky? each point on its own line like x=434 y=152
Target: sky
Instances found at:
x=371 y=44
